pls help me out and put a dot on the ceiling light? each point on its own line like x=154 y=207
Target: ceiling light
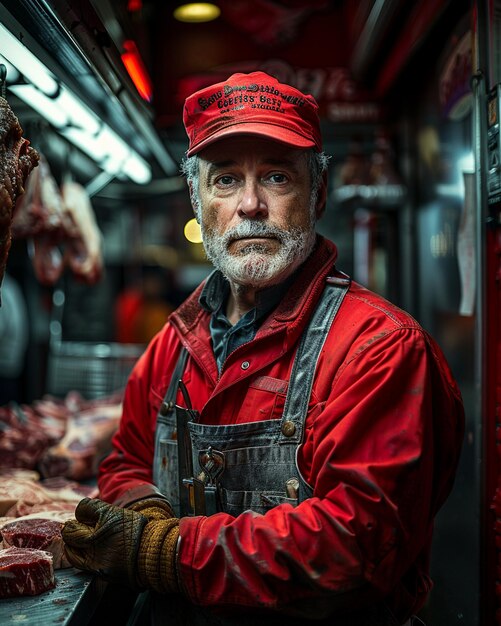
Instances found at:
x=71 y=117
x=136 y=69
x=39 y=101
x=78 y=113
x=27 y=63
x=197 y=12
x=134 y=5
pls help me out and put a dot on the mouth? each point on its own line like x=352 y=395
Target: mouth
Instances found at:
x=256 y=243
x=253 y=238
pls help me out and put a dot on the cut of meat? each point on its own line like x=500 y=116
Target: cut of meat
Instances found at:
x=14 y=490
x=57 y=219
x=86 y=442
x=25 y=572
x=84 y=241
x=50 y=510
x=36 y=533
x=39 y=215
x=17 y=497
x=19 y=473
x=17 y=159
x=27 y=431
x=40 y=209
x=58 y=437
x=54 y=512
x=59 y=488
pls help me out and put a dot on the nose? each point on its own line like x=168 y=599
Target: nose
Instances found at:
x=252 y=202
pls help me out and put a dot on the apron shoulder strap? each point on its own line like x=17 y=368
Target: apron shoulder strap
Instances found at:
x=170 y=394
x=308 y=352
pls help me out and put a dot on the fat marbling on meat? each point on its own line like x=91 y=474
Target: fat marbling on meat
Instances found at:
x=17 y=159
x=36 y=533
x=25 y=572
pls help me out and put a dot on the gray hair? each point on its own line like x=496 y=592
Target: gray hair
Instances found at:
x=318 y=163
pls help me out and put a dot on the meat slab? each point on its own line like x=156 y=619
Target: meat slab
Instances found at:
x=20 y=497
x=25 y=572
x=17 y=159
x=14 y=490
x=36 y=533
x=59 y=220
x=89 y=430
x=83 y=253
x=39 y=215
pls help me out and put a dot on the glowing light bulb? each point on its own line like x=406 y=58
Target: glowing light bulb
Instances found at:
x=192 y=231
x=197 y=12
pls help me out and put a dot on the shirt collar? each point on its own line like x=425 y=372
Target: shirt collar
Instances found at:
x=217 y=289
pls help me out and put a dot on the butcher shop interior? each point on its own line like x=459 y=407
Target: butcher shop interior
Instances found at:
x=99 y=242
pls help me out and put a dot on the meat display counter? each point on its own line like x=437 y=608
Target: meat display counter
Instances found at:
x=78 y=599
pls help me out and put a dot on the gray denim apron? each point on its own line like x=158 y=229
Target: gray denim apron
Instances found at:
x=259 y=469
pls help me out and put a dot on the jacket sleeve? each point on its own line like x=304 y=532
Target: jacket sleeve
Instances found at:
x=126 y=474
x=380 y=454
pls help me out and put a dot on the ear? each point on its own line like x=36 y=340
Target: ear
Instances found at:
x=321 y=197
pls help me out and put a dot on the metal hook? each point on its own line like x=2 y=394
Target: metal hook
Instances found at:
x=186 y=395
x=3 y=80
x=212 y=463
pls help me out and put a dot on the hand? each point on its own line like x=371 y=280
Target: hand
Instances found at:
x=105 y=539
x=153 y=508
x=123 y=545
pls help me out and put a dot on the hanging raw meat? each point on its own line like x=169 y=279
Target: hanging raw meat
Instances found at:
x=17 y=159
x=62 y=226
x=83 y=243
x=40 y=216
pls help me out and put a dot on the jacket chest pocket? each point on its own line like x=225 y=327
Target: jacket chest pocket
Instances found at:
x=264 y=400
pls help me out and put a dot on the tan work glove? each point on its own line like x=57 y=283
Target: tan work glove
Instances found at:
x=152 y=508
x=123 y=545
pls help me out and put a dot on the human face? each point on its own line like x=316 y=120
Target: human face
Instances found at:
x=257 y=218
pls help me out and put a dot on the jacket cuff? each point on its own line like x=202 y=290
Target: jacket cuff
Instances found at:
x=140 y=492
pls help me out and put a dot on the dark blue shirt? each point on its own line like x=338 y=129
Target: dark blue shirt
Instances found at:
x=225 y=336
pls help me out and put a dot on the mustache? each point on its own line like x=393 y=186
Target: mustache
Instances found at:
x=254 y=229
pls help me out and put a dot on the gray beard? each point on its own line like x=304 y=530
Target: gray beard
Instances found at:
x=254 y=265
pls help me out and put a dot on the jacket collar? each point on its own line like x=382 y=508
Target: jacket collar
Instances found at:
x=303 y=293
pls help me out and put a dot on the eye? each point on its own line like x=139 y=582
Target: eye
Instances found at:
x=225 y=180
x=277 y=178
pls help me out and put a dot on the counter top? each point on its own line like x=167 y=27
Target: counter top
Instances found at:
x=71 y=603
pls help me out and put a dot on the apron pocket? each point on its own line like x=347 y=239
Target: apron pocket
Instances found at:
x=236 y=502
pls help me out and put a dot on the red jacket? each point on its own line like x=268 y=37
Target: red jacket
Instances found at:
x=382 y=440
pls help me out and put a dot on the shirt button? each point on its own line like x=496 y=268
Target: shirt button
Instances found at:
x=245 y=365
x=166 y=407
x=288 y=428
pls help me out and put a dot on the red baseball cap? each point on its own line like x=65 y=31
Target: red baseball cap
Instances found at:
x=251 y=104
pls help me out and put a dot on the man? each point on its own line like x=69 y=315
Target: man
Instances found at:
x=317 y=427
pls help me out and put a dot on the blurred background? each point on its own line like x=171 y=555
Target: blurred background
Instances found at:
x=408 y=95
